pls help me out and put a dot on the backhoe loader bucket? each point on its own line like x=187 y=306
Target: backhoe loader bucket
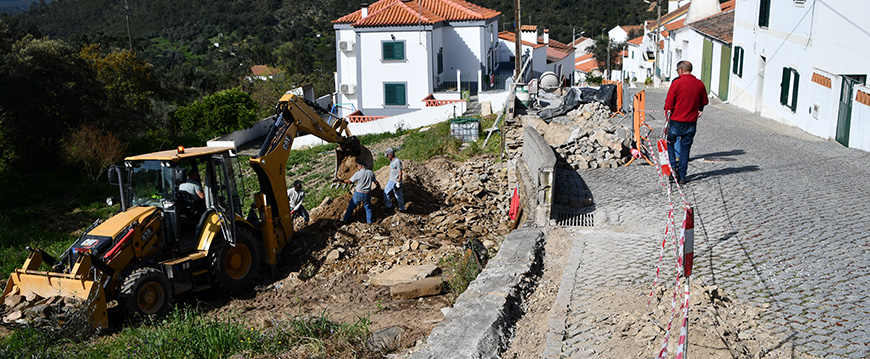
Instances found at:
x=73 y=303
x=347 y=155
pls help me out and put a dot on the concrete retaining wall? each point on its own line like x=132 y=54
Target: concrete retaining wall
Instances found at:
x=541 y=163
x=478 y=325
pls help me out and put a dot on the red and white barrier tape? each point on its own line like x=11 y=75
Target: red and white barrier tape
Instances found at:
x=683 y=249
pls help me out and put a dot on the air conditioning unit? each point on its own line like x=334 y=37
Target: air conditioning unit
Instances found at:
x=347 y=89
x=345 y=45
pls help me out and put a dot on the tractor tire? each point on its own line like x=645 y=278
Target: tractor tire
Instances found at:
x=234 y=269
x=145 y=293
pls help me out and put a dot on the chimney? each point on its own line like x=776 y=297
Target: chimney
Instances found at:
x=547 y=36
x=364 y=11
x=700 y=9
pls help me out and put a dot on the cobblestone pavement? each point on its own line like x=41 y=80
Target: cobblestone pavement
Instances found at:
x=782 y=221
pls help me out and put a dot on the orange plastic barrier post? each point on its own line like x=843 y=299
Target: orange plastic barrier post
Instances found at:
x=619 y=100
x=639 y=104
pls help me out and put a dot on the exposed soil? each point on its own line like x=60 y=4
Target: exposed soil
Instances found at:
x=447 y=203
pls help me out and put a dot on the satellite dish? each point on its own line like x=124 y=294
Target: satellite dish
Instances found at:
x=549 y=82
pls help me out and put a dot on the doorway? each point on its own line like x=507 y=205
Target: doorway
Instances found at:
x=844 y=117
x=759 y=87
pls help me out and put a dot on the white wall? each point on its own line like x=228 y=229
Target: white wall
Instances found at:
x=412 y=71
x=858 y=136
x=463 y=47
x=824 y=37
x=426 y=116
x=346 y=69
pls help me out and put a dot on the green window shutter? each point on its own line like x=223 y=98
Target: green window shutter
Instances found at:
x=389 y=94
x=400 y=95
x=399 y=51
x=387 y=49
x=783 y=86
x=737 y=65
x=764 y=13
x=394 y=95
x=794 y=93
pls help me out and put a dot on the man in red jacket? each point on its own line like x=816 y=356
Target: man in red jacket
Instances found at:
x=685 y=102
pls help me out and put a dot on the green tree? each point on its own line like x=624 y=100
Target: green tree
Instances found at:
x=47 y=90
x=600 y=53
x=129 y=86
x=218 y=114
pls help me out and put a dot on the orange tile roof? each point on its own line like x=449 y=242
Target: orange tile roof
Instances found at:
x=728 y=5
x=583 y=58
x=399 y=12
x=578 y=40
x=636 y=41
x=554 y=55
x=675 y=25
x=669 y=17
x=529 y=28
x=263 y=70
x=510 y=36
x=560 y=46
x=629 y=28
x=587 y=66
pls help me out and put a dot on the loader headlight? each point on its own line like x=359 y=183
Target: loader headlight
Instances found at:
x=110 y=201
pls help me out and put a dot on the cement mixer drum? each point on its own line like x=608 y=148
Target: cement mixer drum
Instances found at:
x=549 y=82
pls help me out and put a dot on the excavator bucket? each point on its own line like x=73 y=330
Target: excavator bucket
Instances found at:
x=73 y=302
x=347 y=155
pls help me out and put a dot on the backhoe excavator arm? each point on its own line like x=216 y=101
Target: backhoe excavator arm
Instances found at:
x=294 y=114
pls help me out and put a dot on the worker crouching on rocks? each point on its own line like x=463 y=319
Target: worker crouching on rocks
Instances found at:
x=364 y=178
x=296 y=195
x=394 y=184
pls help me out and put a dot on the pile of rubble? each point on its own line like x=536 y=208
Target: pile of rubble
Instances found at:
x=56 y=313
x=447 y=204
x=598 y=142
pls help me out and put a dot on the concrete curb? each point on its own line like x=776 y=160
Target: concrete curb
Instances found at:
x=479 y=324
x=556 y=326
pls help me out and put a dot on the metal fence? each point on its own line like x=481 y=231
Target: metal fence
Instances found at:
x=495 y=81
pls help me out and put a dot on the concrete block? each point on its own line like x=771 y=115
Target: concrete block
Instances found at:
x=478 y=324
x=416 y=289
x=404 y=274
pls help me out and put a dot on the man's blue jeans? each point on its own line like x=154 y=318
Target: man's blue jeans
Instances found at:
x=365 y=199
x=680 y=134
x=400 y=198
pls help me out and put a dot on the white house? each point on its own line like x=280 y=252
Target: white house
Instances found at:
x=706 y=43
x=805 y=63
x=547 y=54
x=394 y=53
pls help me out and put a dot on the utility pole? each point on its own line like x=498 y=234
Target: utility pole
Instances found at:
x=658 y=31
x=519 y=45
x=127 y=18
x=609 y=59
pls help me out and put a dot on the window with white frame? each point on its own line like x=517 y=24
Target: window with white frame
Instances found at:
x=789 y=88
x=395 y=94
x=764 y=13
x=393 y=50
x=737 y=65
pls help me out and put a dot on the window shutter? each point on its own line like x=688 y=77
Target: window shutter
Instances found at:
x=742 y=57
x=735 y=61
x=794 y=93
x=387 y=51
x=389 y=94
x=783 y=86
x=398 y=51
x=764 y=13
x=400 y=95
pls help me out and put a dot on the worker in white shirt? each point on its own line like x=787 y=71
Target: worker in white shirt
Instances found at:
x=296 y=195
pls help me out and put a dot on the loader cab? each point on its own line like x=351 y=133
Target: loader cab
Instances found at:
x=156 y=180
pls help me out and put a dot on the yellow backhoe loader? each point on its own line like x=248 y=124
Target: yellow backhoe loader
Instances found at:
x=167 y=239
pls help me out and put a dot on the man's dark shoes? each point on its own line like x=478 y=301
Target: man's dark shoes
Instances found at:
x=682 y=181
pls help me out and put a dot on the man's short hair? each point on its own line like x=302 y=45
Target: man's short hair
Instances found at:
x=297 y=182
x=685 y=66
x=361 y=163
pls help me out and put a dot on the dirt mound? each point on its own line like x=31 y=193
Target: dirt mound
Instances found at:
x=328 y=266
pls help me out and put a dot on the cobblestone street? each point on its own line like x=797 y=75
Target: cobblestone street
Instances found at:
x=782 y=223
